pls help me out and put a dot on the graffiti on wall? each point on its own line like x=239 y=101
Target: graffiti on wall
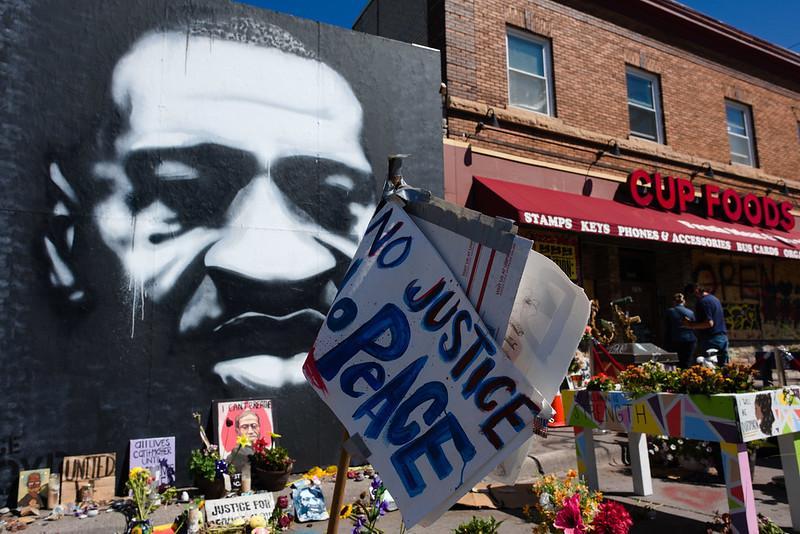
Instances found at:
x=761 y=298
x=189 y=191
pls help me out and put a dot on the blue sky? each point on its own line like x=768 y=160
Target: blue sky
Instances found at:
x=774 y=20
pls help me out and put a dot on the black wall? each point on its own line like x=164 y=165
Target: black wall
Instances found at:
x=116 y=294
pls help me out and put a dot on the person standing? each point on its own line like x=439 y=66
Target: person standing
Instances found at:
x=679 y=338
x=709 y=322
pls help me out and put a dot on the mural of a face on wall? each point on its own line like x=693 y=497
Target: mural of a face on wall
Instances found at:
x=211 y=193
x=186 y=183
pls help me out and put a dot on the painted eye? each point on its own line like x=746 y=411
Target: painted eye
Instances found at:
x=175 y=171
x=341 y=181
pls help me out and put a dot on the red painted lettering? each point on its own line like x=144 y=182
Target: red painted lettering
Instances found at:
x=637 y=176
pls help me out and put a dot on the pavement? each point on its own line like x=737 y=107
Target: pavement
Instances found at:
x=683 y=501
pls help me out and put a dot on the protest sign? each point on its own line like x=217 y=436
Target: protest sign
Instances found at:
x=95 y=470
x=233 y=418
x=157 y=455
x=408 y=366
x=223 y=511
x=526 y=301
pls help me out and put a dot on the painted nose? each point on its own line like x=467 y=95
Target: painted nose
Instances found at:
x=266 y=238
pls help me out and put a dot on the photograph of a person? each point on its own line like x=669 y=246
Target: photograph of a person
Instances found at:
x=248 y=418
x=33 y=488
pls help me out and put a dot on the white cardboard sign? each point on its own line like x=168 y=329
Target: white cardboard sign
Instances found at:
x=529 y=305
x=405 y=362
x=223 y=511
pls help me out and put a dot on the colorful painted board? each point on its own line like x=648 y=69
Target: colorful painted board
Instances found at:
x=731 y=419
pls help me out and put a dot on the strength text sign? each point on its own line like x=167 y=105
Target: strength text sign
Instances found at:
x=408 y=366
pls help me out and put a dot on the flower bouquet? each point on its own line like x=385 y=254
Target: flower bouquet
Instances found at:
x=145 y=498
x=567 y=504
x=280 y=518
x=271 y=466
x=368 y=509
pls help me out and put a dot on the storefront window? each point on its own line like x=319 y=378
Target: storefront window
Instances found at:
x=644 y=105
x=740 y=133
x=529 y=78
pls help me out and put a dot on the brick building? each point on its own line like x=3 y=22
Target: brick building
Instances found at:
x=554 y=107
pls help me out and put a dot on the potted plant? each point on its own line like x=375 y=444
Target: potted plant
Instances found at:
x=208 y=468
x=209 y=472
x=270 y=465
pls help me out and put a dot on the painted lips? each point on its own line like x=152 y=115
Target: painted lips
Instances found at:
x=259 y=350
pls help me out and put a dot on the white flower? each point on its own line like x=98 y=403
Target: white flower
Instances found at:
x=546 y=502
x=669 y=457
x=680 y=442
x=655 y=448
x=708 y=449
x=673 y=447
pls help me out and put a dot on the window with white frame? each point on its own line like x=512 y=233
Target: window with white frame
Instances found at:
x=740 y=133
x=644 y=105
x=530 y=83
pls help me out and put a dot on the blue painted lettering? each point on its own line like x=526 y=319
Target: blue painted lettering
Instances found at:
x=388 y=398
x=416 y=304
x=390 y=319
x=483 y=342
x=430 y=444
x=448 y=354
x=508 y=412
x=371 y=372
x=400 y=430
x=488 y=387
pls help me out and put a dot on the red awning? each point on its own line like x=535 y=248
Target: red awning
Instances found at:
x=566 y=211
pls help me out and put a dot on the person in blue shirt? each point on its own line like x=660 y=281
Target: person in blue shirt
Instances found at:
x=709 y=322
x=679 y=338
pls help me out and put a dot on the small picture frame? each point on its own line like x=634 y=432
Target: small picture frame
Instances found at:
x=237 y=417
x=32 y=490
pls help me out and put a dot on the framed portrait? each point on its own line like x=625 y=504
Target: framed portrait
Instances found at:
x=241 y=417
x=32 y=490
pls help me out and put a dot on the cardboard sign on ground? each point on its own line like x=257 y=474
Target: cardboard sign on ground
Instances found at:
x=411 y=370
x=97 y=469
x=223 y=511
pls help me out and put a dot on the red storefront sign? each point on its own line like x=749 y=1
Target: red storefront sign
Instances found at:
x=577 y=213
x=676 y=194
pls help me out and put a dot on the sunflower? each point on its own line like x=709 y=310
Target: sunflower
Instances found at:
x=346 y=512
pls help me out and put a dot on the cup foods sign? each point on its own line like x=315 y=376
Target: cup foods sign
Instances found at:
x=676 y=194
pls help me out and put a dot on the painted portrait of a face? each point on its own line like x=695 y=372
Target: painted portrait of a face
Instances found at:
x=235 y=186
x=187 y=183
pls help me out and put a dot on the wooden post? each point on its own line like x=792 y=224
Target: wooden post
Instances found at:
x=640 y=464
x=790 y=460
x=778 y=355
x=338 y=489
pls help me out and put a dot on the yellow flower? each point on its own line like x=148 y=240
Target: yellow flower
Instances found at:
x=275 y=436
x=331 y=470
x=571 y=473
x=242 y=441
x=346 y=511
x=136 y=471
